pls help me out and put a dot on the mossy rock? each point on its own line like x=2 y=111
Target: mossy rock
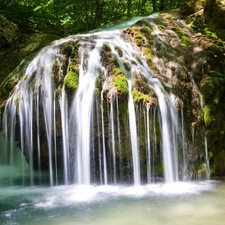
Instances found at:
x=121 y=85
x=185 y=40
x=17 y=55
x=140 y=97
x=68 y=50
x=142 y=86
x=98 y=85
x=71 y=82
x=207 y=115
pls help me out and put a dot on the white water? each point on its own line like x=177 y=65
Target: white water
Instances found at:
x=148 y=154
x=134 y=140
x=64 y=117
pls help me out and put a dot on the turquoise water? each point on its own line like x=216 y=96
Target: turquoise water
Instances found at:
x=195 y=203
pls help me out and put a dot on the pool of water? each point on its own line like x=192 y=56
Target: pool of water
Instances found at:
x=194 y=203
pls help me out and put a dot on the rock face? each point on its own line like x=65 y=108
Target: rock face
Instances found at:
x=183 y=60
x=8 y=32
x=17 y=51
x=212 y=37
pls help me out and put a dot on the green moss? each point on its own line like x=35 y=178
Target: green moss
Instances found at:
x=106 y=48
x=146 y=31
x=98 y=85
x=138 y=41
x=17 y=98
x=121 y=85
x=138 y=97
x=138 y=36
x=202 y=169
x=185 y=40
x=118 y=71
x=58 y=90
x=148 y=55
x=213 y=88
x=207 y=115
x=71 y=81
x=75 y=52
x=160 y=26
x=55 y=68
x=209 y=32
x=74 y=55
x=126 y=65
x=192 y=25
x=142 y=86
x=33 y=82
x=74 y=68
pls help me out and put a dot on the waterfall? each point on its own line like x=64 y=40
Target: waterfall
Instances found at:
x=134 y=141
x=64 y=117
x=75 y=110
x=148 y=152
x=103 y=144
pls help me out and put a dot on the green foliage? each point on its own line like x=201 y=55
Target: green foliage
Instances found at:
x=121 y=85
x=70 y=17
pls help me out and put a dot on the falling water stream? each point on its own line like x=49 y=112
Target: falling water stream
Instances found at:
x=92 y=179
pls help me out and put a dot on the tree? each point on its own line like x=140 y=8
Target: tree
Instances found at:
x=74 y=16
x=129 y=8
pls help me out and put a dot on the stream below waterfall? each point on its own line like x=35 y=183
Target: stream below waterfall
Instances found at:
x=195 y=203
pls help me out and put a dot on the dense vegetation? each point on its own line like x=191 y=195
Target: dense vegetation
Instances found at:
x=73 y=16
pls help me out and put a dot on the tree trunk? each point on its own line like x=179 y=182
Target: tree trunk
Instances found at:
x=129 y=8
x=161 y=5
x=154 y=5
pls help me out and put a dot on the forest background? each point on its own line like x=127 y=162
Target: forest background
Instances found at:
x=76 y=16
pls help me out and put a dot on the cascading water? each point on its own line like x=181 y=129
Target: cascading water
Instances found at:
x=76 y=107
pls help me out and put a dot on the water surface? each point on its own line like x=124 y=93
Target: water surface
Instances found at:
x=195 y=203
